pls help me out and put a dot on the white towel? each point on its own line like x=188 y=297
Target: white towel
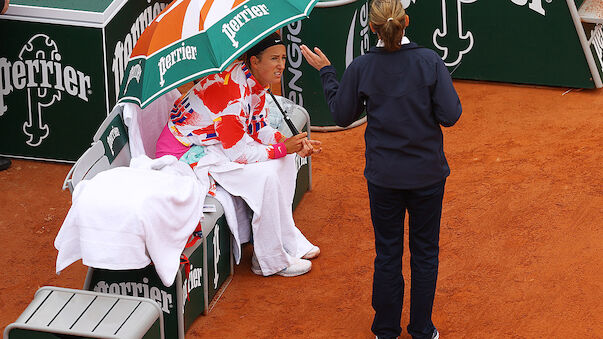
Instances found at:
x=268 y=189
x=237 y=213
x=145 y=125
x=126 y=217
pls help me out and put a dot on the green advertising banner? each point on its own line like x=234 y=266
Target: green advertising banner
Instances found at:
x=204 y=271
x=120 y=39
x=218 y=258
x=87 y=6
x=539 y=42
x=60 y=71
x=340 y=29
x=51 y=96
x=517 y=41
x=141 y=283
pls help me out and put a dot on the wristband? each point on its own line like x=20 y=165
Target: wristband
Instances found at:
x=277 y=151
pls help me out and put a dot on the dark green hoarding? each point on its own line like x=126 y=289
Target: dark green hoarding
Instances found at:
x=341 y=30
x=59 y=70
x=517 y=41
x=205 y=268
x=537 y=42
x=51 y=99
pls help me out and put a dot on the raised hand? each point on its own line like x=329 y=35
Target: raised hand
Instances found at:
x=316 y=59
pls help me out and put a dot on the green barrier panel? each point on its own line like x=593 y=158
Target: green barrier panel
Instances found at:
x=114 y=138
x=192 y=292
x=340 y=29
x=540 y=42
x=218 y=258
x=143 y=283
x=60 y=70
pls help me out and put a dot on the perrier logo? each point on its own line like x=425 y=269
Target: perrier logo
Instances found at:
x=39 y=71
x=456 y=40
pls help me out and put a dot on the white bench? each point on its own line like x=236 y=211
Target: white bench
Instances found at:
x=67 y=313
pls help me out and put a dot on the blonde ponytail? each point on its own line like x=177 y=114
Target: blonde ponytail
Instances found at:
x=388 y=20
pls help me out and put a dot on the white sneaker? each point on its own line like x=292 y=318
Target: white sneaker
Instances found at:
x=313 y=253
x=299 y=267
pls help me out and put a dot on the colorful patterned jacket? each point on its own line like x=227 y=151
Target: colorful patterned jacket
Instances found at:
x=227 y=108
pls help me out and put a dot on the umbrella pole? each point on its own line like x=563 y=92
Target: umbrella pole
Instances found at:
x=287 y=119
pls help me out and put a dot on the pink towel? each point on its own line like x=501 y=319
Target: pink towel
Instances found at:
x=167 y=144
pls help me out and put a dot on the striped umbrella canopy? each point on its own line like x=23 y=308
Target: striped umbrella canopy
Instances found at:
x=190 y=39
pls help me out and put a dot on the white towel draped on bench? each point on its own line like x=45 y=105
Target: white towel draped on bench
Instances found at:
x=268 y=189
x=144 y=127
x=126 y=217
x=240 y=182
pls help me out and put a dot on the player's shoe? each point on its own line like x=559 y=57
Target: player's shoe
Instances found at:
x=434 y=335
x=313 y=253
x=299 y=267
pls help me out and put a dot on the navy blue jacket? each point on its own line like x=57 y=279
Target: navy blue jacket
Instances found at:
x=407 y=94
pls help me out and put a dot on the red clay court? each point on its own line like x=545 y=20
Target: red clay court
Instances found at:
x=521 y=237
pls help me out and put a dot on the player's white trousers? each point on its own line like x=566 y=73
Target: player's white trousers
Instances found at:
x=268 y=188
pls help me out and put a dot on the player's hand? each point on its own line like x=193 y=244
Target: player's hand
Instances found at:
x=317 y=60
x=316 y=146
x=310 y=147
x=295 y=143
x=306 y=149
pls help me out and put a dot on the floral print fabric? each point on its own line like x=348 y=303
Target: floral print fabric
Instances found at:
x=227 y=108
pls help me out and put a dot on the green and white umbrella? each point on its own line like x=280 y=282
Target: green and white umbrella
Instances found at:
x=190 y=39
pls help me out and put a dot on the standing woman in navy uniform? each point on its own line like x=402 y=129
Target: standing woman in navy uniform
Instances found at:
x=408 y=94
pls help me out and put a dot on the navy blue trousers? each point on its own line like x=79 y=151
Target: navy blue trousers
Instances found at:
x=388 y=207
